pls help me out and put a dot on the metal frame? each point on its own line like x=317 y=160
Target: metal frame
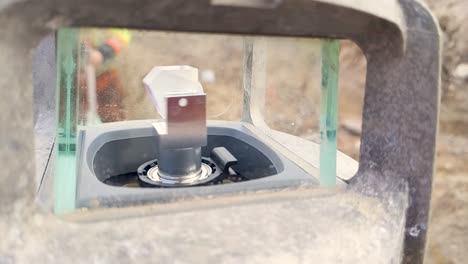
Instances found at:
x=400 y=39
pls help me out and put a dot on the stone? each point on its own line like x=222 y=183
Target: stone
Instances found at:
x=461 y=71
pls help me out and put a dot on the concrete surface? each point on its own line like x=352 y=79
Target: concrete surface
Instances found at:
x=397 y=150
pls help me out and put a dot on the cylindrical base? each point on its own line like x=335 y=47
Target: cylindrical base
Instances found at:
x=183 y=162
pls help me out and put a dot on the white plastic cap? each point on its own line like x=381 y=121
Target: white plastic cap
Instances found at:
x=163 y=81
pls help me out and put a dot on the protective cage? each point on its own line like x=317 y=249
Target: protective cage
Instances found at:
x=261 y=104
x=402 y=46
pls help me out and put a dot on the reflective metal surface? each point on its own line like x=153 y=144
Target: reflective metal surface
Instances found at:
x=157 y=176
x=179 y=162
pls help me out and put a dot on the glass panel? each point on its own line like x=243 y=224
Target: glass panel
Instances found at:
x=328 y=112
x=286 y=86
x=118 y=79
x=294 y=90
x=67 y=65
x=292 y=82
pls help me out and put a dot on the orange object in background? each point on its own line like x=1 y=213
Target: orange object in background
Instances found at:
x=107 y=102
x=109 y=96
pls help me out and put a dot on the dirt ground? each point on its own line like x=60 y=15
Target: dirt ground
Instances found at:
x=291 y=102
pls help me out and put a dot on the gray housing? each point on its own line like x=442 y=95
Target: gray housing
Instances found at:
x=401 y=41
x=92 y=192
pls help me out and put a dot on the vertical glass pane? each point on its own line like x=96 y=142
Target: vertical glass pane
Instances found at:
x=328 y=111
x=292 y=102
x=67 y=65
x=293 y=88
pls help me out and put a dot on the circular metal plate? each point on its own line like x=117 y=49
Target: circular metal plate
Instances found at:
x=155 y=175
x=149 y=175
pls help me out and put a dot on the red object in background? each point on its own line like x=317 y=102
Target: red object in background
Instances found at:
x=109 y=97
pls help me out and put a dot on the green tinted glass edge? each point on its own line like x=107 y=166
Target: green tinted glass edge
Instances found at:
x=65 y=176
x=328 y=114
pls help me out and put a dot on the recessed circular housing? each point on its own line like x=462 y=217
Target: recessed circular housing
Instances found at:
x=149 y=175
